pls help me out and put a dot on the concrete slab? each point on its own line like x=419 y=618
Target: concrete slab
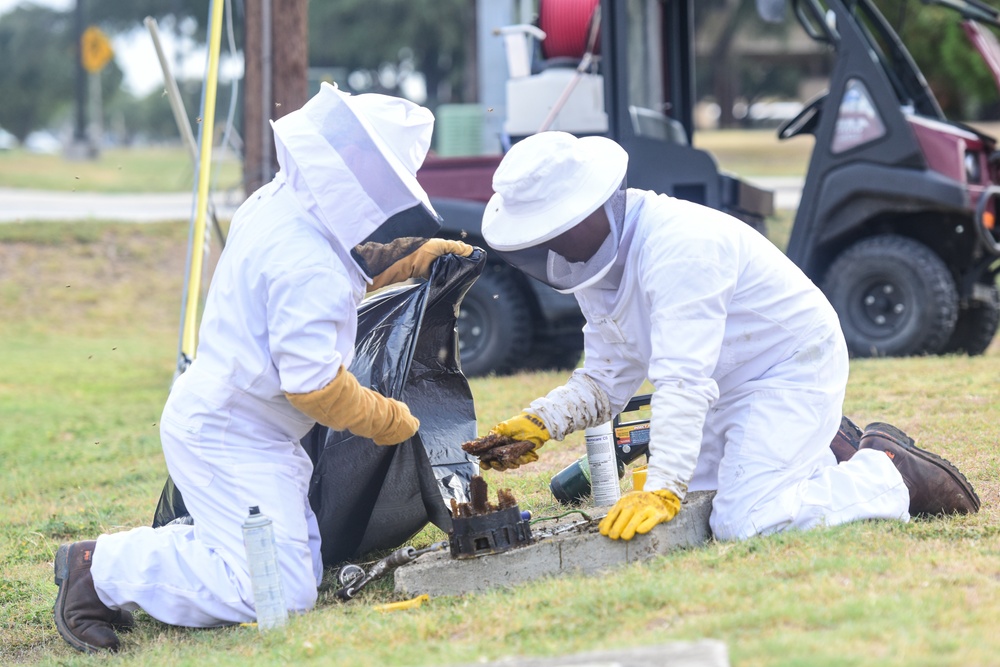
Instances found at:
x=566 y=546
x=702 y=653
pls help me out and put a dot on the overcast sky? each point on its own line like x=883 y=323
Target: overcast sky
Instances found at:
x=136 y=56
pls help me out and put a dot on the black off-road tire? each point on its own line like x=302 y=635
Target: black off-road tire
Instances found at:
x=561 y=353
x=976 y=326
x=894 y=296
x=494 y=324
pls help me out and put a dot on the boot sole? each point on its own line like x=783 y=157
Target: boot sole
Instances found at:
x=906 y=442
x=891 y=432
x=852 y=432
x=61 y=575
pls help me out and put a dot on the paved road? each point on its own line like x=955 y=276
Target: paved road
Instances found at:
x=22 y=205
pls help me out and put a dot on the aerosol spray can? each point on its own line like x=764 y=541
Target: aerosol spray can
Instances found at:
x=603 y=465
x=265 y=576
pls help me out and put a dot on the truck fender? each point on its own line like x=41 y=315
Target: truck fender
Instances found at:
x=855 y=194
x=852 y=196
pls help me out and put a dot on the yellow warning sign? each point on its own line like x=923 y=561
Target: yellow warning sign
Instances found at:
x=95 y=49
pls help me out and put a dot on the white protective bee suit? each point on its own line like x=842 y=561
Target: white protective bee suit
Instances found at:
x=746 y=355
x=280 y=320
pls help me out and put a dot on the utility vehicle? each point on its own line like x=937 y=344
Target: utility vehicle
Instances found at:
x=896 y=217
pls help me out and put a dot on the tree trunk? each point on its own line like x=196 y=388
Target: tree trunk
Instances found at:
x=275 y=67
x=290 y=49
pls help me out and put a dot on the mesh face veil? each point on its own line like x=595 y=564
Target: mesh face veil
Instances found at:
x=410 y=220
x=568 y=277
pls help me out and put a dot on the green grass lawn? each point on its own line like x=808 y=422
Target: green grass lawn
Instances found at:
x=756 y=152
x=88 y=342
x=119 y=170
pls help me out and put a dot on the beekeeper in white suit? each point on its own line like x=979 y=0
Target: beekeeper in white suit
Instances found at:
x=344 y=216
x=746 y=355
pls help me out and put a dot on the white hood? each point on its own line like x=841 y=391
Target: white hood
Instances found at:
x=352 y=161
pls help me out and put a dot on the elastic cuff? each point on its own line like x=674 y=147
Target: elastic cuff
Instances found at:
x=656 y=482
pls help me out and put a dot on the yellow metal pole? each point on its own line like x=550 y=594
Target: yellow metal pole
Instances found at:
x=189 y=333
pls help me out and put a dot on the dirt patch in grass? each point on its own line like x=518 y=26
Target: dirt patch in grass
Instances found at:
x=93 y=278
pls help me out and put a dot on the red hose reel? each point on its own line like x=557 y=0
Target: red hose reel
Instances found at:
x=567 y=27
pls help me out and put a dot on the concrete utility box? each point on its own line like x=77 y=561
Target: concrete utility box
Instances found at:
x=566 y=546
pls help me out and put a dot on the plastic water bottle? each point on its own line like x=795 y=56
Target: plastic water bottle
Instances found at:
x=603 y=465
x=265 y=576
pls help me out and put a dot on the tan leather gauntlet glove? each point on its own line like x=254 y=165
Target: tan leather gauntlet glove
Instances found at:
x=418 y=263
x=344 y=405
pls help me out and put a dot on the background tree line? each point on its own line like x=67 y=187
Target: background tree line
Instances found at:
x=381 y=42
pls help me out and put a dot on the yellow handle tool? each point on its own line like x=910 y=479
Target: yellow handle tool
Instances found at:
x=196 y=242
x=405 y=604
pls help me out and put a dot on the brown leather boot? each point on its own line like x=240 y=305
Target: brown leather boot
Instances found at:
x=847 y=440
x=123 y=620
x=936 y=486
x=81 y=618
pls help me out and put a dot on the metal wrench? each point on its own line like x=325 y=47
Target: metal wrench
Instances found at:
x=398 y=557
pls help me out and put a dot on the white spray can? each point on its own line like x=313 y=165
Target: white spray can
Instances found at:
x=265 y=575
x=603 y=465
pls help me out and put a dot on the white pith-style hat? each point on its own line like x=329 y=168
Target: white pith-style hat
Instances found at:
x=546 y=184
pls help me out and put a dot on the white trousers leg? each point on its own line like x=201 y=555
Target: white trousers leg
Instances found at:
x=197 y=575
x=766 y=452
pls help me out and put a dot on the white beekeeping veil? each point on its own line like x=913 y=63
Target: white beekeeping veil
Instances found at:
x=355 y=159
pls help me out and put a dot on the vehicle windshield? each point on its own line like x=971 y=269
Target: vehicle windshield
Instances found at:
x=884 y=45
x=645 y=55
x=650 y=109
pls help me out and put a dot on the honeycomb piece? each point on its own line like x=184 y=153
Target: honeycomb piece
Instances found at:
x=487 y=442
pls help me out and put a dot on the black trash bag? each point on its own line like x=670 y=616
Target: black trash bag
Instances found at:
x=367 y=497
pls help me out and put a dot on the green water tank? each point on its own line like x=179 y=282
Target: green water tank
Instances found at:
x=458 y=130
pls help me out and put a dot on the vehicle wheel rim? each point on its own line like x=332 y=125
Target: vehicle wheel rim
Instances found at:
x=471 y=327
x=882 y=308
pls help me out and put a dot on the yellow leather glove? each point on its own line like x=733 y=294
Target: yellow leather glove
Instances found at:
x=417 y=264
x=522 y=428
x=638 y=512
x=344 y=405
